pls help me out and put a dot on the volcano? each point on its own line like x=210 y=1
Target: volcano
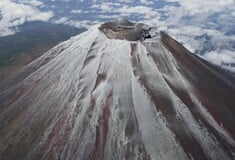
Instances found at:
x=119 y=91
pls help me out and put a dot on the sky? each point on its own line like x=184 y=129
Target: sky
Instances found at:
x=205 y=27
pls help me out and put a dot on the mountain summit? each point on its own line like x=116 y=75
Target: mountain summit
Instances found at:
x=118 y=91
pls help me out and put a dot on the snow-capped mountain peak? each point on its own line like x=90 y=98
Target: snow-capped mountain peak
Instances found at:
x=118 y=91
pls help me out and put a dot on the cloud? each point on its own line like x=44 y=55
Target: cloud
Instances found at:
x=110 y=10
x=75 y=23
x=105 y=7
x=136 y=10
x=200 y=6
x=76 y=11
x=197 y=10
x=35 y=3
x=112 y=16
x=223 y=58
x=219 y=57
x=61 y=20
x=204 y=27
x=14 y=14
x=126 y=1
x=146 y=2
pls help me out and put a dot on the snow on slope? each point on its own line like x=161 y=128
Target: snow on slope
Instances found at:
x=92 y=97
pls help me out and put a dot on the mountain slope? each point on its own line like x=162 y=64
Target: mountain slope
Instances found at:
x=100 y=96
x=32 y=40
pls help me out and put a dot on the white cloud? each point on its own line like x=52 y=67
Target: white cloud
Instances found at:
x=223 y=58
x=219 y=57
x=111 y=16
x=146 y=2
x=61 y=20
x=76 y=23
x=126 y=1
x=200 y=9
x=145 y=12
x=135 y=9
x=76 y=11
x=15 y=14
x=105 y=6
x=192 y=18
x=35 y=3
